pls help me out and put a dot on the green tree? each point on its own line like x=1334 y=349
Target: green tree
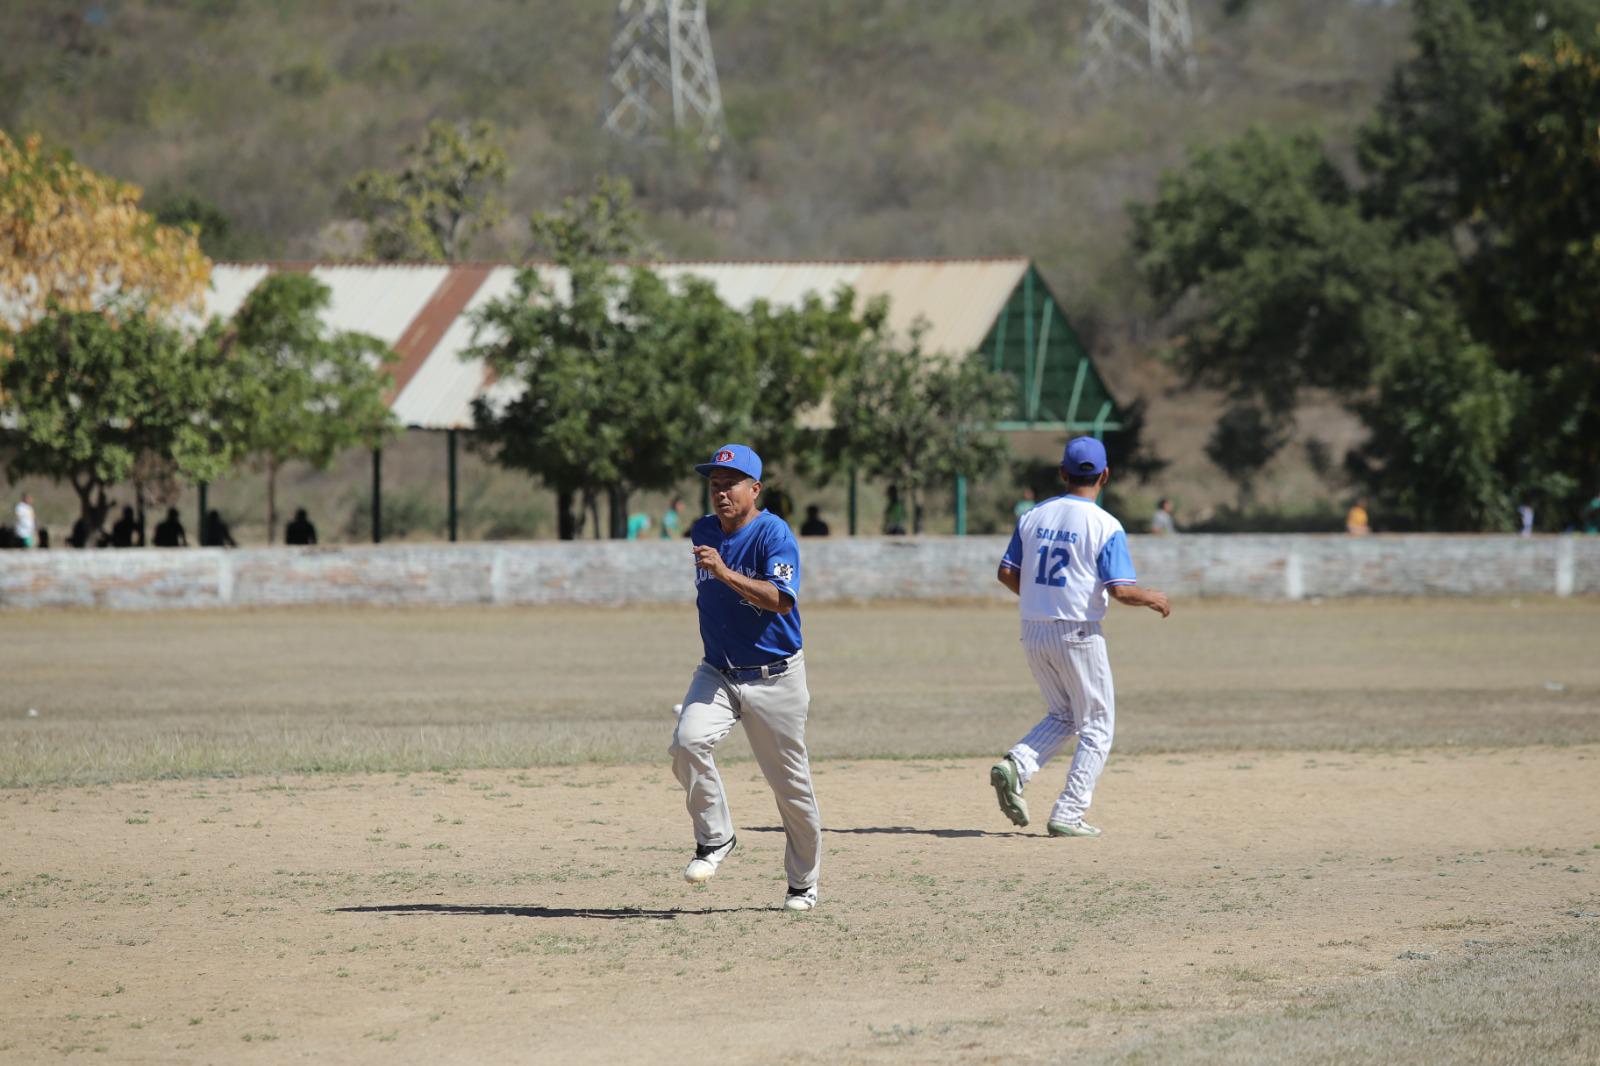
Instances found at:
x=625 y=379
x=1244 y=440
x=441 y=198
x=1434 y=137
x=1260 y=247
x=1533 y=281
x=300 y=392
x=90 y=395
x=915 y=418
x=603 y=225
x=211 y=227
x=1437 y=411
x=1447 y=298
x=621 y=384
x=801 y=352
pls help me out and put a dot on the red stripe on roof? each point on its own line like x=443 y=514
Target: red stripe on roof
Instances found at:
x=460 y=285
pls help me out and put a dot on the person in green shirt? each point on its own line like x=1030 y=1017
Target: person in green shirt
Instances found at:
x=637 y=524
x=672 y=518
x=1591 y=515
x=894 y=514
x=1024 y=505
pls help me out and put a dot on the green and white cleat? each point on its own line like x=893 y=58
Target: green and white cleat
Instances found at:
x=1076 y=829
x=1008 y=790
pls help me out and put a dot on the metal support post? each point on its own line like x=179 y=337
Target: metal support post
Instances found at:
x=852 y=501
x=377 y=495
x=450 y=437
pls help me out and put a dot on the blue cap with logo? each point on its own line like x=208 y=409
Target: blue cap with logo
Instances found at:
x=732 y=457
x=1084 y=457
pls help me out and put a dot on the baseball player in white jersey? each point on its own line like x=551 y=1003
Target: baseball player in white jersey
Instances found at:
x=1066 y=558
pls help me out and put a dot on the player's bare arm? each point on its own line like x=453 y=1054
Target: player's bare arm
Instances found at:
x=1011 y=578
x=756 y=591
x=1134 y=596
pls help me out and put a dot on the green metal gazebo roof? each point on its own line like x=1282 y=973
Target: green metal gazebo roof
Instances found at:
x=1057 y=385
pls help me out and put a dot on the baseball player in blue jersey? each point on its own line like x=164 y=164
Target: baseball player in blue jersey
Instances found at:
x=1065 y=559
x=747 y=587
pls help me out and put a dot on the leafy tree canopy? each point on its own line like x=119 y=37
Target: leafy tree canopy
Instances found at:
x=1447 y=297
x=299 y=391
x=916 y=418
x=444 y=194
x=626 y=379
x=90 y=395
x=78 y=239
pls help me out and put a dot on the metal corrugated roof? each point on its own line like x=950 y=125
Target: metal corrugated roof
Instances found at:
x=440 y=393
x=410 y=306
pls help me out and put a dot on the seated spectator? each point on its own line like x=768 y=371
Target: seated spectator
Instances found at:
x=215 y=533
x=126 y=533
x=169 y=532
x=300 y=530
x=777 y=501
x=813 y=526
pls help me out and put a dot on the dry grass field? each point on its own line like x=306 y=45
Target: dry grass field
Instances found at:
x=1346 y=832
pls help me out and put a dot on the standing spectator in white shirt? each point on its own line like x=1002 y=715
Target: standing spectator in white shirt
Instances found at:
x=27 y=525
x=1161 y=522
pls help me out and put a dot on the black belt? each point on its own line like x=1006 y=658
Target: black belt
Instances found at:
x=756 y=673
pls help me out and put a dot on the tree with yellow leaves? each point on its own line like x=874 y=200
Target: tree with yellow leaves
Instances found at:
x=78 y=238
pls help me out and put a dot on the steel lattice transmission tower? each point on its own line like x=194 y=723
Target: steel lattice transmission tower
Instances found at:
x=1146 y=39
x=661 y=79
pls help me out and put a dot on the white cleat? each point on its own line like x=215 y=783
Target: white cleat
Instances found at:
x=706 y=860
x=800 y=899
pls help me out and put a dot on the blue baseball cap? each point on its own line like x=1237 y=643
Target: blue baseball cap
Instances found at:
x=733 y=457
x=1084 y=457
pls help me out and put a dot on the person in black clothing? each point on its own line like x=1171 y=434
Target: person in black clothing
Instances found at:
x=216 y=534
x=125 y=534
x=300 y=530
x=169 y=532
x=813 y=526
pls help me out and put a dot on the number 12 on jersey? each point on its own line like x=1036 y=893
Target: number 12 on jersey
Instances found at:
x=1052 y=567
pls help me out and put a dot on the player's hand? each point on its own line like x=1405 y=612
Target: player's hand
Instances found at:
x=708 y=558
x=1158 y=603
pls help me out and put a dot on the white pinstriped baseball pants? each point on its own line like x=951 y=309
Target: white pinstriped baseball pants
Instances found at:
x=1069 y=662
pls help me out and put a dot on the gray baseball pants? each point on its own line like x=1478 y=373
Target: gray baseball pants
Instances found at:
x=773 y=711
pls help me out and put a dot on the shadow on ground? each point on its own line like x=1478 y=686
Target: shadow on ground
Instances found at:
x=538 y=912
x=897 y=830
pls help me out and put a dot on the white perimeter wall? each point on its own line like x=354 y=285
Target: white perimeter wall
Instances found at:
x=1265 y=567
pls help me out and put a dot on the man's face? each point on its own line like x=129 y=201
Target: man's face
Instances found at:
x=732 y=493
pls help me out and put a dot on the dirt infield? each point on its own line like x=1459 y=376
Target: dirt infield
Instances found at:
x=1347 y=832
x=538 y=916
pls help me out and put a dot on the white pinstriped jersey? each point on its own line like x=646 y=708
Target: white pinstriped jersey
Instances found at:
x=1068 y=550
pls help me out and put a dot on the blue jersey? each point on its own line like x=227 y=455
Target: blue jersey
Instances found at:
x=735 y=632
